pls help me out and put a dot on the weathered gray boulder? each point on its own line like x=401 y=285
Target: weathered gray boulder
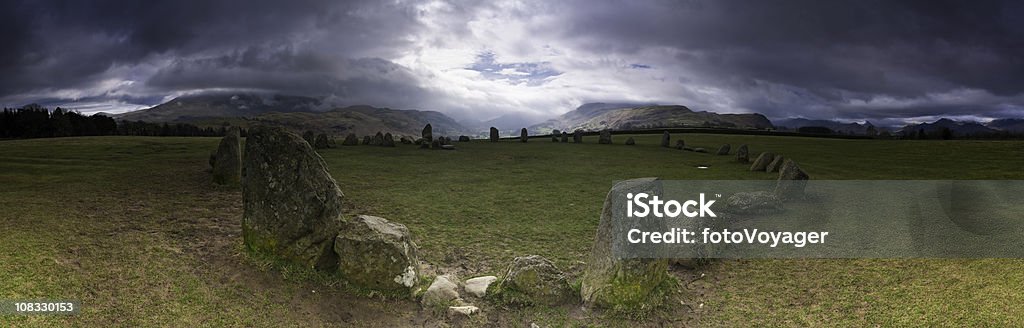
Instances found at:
x=753 y=202
x=443 y=291
x=227 y=162
x=478 y=286
x=494 y=134
x=367 y=140
x=680 y=144
x=611 y=281
x=775 y=165
x=350 y=140
x=463 y=138
x=428 y=133
x=762 y=161
x=322 y=142
x=666 y=139
x=605 y=138
x=376 y=254
x=724 y=150
x=405 y=140
x=309 y=136
x=742 y=154
x=523 y=135
x=630 y=141
x=292 y=205
x=533 y=280
x=565 y=137
x=389 y=140
x=554 y=138
x=577 y=136
x=792 y=181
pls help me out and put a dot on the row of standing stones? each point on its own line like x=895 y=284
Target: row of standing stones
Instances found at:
x=293 y=212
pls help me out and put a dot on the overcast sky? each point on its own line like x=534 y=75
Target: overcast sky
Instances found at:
x=850 y=60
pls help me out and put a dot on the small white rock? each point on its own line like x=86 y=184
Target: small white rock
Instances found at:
x=478 y=286
x=463 y=310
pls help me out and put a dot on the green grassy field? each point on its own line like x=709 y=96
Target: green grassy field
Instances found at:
x=134 y=229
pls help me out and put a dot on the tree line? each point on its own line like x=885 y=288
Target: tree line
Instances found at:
x=34 y=121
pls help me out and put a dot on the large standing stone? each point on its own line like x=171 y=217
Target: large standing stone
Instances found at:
x=792 y=181
x=428 y=133
x=577 y=136
x=743 y=155
x=350 y=140
x=565 y=137
x=775 y=165
x=292 y=205
x=630 y=141
x=605 y=138
x=463 y=138
x=494 y=134
x=389 y=140
x=611 y=281
x=378 y=139
x=309 y=136
x=762 y=161
x=533 y=280
x=227 y=162
x=523 y=135
x=724 y=150
x=322 y=142
x=376 y=254
x=666 y=139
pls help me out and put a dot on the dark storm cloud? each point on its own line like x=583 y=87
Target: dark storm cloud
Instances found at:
x=65 y=44
x=818 y=59
x=833 y=50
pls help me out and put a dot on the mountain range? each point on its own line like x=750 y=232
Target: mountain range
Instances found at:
x=597 y=116
x=307 y=113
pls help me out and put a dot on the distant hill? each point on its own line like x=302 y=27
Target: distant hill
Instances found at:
x=1012 y=125
x=508 y=124
x=837 y=127
x=202 y=107
x=366 y=120
x=597 y=116
x=959 y=129
x=294 y=112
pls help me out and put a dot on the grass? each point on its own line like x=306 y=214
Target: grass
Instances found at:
x=133 y=228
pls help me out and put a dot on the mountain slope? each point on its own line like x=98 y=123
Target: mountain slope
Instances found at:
x=839 y=127
x=199 y=107
x=956 y=127
x=296 y=113
x=365 y=120
x=1012 y=125
x=614 y=116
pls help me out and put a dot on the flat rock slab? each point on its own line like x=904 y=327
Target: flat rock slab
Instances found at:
x=376 y=254
x=478 y=286
x=442 y=291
